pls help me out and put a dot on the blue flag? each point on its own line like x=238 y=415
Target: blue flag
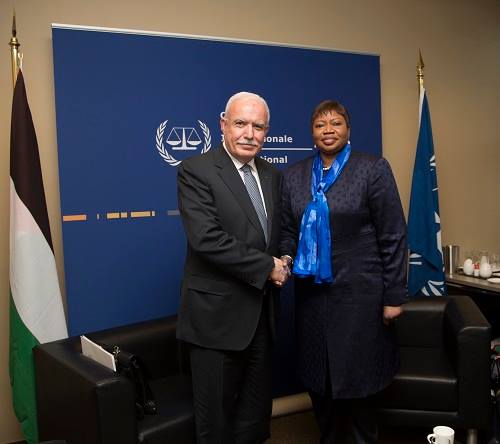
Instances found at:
x=426 y=271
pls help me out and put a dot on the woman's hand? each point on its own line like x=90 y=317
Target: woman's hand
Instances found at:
x=391 y=313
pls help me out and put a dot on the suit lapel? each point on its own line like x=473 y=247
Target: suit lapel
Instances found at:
x=232 y=179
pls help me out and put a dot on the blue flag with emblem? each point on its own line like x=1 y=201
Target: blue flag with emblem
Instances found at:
x=426 y=271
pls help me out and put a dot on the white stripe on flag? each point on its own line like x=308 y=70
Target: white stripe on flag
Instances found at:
x=33 y=275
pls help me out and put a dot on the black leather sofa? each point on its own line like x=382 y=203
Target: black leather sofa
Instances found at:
x=444 y=377
x=83 y=402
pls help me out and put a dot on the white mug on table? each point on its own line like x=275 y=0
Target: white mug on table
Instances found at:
x=441 y=435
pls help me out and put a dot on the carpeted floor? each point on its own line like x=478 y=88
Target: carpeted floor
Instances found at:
x=301 y=429
x=294 y=429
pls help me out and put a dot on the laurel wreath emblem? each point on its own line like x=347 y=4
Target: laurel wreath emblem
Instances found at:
x=206 y=135
x=171 y=160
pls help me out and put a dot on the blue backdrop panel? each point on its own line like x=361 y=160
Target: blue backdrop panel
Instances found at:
x=130 y=106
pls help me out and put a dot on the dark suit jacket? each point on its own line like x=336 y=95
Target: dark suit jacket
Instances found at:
x=228 y=261
x=339 y=326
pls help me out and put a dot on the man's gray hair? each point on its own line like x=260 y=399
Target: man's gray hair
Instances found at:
x=247 y=95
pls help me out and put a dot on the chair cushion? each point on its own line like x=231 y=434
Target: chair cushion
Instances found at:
x=426 y=378
x=174 y=421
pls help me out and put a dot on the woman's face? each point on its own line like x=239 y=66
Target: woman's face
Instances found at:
x=330 y=133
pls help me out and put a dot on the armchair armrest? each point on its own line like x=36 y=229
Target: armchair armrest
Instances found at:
x=84 y=402
x=468 y=333
x=80 y=400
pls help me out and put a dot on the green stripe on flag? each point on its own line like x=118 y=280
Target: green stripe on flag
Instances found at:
x=22 y=375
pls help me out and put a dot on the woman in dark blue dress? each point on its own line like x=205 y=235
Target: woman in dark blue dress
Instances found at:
x=344 y=227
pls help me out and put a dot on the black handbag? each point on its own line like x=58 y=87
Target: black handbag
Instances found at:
x=131 y=366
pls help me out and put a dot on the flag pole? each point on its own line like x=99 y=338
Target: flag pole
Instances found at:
x=14 y=45
x=420 y=71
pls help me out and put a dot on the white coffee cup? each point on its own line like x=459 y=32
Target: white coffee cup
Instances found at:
x=441 y=435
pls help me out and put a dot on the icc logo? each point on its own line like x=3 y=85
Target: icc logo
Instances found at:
x=181 y=138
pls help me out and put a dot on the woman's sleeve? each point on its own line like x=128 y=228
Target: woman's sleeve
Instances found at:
x=388 y=218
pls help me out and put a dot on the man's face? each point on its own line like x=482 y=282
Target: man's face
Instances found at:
x=245 y=127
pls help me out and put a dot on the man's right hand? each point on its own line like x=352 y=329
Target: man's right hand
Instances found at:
x=280 y=273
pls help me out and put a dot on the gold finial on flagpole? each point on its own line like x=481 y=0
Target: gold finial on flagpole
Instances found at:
x=14 y=45
x=420 y=70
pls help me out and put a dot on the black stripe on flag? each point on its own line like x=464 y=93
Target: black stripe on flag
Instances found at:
x=25 y=169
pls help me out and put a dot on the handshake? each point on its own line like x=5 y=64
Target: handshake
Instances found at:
x=281 y=271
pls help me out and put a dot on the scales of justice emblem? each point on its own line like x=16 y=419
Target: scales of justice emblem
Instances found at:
x=181 y=138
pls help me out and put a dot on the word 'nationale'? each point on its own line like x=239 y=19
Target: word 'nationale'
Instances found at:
x=274 y=139
x=279 y=139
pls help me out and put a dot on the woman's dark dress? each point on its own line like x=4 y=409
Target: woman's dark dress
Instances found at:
x=339 y=326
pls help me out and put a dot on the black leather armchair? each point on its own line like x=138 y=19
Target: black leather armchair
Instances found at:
x=445 y=376
x=83 y=402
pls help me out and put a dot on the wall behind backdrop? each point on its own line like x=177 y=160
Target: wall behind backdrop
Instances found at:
x=460 y=42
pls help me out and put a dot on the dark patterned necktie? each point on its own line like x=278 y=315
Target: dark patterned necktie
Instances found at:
x=255 y=197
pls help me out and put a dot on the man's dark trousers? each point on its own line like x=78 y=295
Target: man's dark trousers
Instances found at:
x=232 y=390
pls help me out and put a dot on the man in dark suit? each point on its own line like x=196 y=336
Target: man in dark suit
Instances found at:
x=229 y=201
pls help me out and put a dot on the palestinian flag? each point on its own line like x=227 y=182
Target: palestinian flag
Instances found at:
x=36 y=311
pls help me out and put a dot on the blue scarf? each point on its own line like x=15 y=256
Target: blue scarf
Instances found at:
x=315 y=243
